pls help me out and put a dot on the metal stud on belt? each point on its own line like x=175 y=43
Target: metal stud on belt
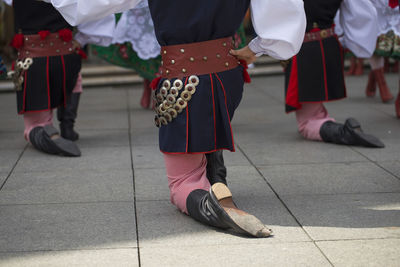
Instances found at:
x=172 y=99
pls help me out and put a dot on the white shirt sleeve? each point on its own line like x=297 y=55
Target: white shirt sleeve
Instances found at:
x=98 y=32
x=280 y=26
x=8 y=2
x=358 y=19
x=79 y=11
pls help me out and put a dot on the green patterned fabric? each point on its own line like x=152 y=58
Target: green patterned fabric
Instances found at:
x=240 y=37
x=112 y=54
x=388 y=45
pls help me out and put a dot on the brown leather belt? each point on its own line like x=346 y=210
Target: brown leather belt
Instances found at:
x=52 y=45
x=199 y=58
x=319 y=35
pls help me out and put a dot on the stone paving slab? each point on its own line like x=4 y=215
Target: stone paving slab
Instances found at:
x=97 y=159
x=389 y=153
x=8 y=157
x=347 y=216
x=391 y=166
x=145 y=136
x=12 y=140
x=298 y=151
x=375 y=252
x=72 y=258
x=262 y=254
x=175 y=229
x=103 y=138
x=330 y=178
x=3 y=177
x=67 y=226
x=67 y=186
x=109 y=119
x=142 y=119
x=102 y=99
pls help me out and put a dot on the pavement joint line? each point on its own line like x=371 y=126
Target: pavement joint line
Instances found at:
x=67 y=203
x=128 y=109
x=357 y=239
x=14 y=166
x=388 y=171
x=286 y=207
x=376 y=163
x=310 y=163
x=67 y=250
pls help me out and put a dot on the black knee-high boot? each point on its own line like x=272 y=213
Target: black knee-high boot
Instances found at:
x=216 y=170
x=349 y=133
x=41 y=139
x=216 y=208
x=67 y=115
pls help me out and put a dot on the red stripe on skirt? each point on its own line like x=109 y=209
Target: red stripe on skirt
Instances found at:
x=48 y=83
x=292 y=94
x=215 y=123
x=227 y=112
x=64 y=81
x=24 y=97
x=324 y=65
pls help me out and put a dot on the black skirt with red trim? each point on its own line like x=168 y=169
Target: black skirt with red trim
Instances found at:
x=205 y=124
x=315 y=74
x=48 y=82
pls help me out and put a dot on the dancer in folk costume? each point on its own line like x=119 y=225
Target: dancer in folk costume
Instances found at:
x=387 y=46
x=3 y=70
x=46 y=73
x=315 y=75
x=201 y=87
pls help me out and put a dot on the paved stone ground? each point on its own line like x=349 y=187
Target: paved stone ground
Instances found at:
x=328 y=205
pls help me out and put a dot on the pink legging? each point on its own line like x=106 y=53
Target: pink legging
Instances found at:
x=42 y=118
x=310 y=119
x=186 y=172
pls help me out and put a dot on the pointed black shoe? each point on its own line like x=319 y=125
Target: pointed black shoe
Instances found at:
x=67 y=115
x=217 y=209
x=216 y=170
x=40 y=138
x=348 y=134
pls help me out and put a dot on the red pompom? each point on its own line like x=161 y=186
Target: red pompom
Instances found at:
x=82 y=53
x=154 y=83
x=393 y=3
x=246 y=76
x=43 y=34
x=18 y=41
x=65 y=35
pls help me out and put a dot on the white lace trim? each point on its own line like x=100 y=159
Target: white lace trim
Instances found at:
x=136 y=27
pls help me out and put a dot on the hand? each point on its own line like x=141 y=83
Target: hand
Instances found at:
x=76 y=45
x=244 y=54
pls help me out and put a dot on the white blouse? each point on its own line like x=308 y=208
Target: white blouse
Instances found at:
x=356 y=24
x=280 y=24
x=99 y=32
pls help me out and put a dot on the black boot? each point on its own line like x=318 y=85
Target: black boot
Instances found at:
x=348 y=134
x=41 y=139
x=216 y=208
x=67 y=115
x=216 y=170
